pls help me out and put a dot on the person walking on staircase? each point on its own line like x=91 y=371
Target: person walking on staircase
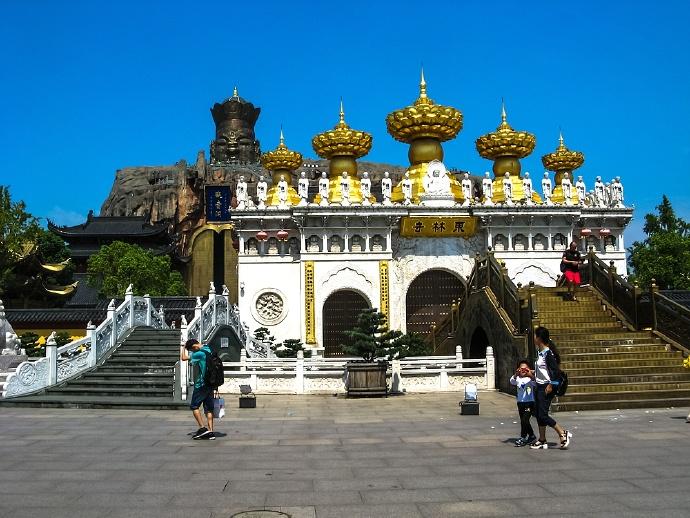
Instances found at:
x=546 y=377
x=570 y=262
x=198 y=354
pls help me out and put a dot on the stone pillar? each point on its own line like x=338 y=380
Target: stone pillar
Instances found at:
x=90 y=328
x=299 y=373
x=243 y=359
x=458 y=354
x=147 y=300
x=490 y=369
x=51 y=355
x=396 y=376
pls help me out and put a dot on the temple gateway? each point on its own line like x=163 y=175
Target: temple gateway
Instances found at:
x=304 y=245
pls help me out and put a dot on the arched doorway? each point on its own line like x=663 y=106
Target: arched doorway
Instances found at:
x=429 y=298
x=340 y=313
x=478 y=344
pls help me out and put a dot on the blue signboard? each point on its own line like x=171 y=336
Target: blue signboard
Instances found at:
x=218 y=203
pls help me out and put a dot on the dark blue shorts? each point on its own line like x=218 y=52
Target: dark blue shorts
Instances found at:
x=203 y=394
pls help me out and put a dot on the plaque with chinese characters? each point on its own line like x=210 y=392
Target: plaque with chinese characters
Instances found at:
x=218 y=203
x=429 y=226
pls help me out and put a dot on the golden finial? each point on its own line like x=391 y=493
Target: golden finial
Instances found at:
x=504 y=117
x=234 y=92
x=561 y=143
x=422 y=86
x=282 y=138
x=342 y=112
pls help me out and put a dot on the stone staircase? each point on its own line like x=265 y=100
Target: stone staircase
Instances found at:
x=138 y=374
x=609 y=366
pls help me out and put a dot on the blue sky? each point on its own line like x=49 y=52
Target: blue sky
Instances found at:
x=90 y=87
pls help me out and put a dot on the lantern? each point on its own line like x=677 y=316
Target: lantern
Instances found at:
x=282 y=235
x=604 y=232
x=261 y=235
x=586 y=232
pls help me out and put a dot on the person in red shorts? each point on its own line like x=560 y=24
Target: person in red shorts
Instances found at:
x=571 y=261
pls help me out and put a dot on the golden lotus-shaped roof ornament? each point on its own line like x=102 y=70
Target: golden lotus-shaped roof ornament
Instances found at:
x=281 y=157
x=563 y=159
x=342 y=140
x=424 y=118
x=505 y=141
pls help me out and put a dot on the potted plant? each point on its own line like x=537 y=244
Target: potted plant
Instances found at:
x=371 y=340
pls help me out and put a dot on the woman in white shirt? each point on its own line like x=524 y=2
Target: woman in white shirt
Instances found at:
x=546 y=375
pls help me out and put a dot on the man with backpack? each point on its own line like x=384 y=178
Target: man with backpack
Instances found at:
x=205 y=385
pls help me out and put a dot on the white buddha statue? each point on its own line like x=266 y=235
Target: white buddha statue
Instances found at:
x=436 y=180
x=313 y=244
x=527 y=188
x=323 y=189
x=282 y=193
x=303 y=189
x=600 y=192
x=567 y=188
x=261 y=193
x=345 y=189
x=546 y=189
x=617 y=193
x=466 y=186
x=407 y=189
x=607 y=194
x=508 y=189
x=241 y=194
x=487 y=189
x=581 y=189
x=365 y=188
x=386 y=188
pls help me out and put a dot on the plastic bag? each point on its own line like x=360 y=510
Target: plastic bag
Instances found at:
x=218 y=407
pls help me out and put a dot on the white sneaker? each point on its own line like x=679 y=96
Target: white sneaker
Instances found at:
x=565 y=440
x=539 y=445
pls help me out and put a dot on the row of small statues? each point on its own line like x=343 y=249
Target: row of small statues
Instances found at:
x=603 y=195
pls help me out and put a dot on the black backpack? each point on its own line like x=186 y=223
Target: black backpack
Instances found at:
x=214 y=375
x=562 y=387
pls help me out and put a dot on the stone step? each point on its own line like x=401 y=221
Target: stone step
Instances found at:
x=152 y=359
x=624 y=370
x=164 y=382
x=630 y=356
x=136 y=369
x=167 y=355
x=72 y=390
x=572 y=318
x=603 y=348
x=100 y=374
x=575 y=389
x=569 y=406
x=664 y=377
x=92 y=401
x=620 y=363
x=583 y=397
x=563 y=344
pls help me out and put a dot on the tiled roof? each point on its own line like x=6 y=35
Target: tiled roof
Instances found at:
x=108 y=226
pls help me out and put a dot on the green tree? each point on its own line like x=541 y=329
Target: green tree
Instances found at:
x=371 y=339
x=289 y=348
x=18 y=233
x=665 y=254
x=119 y=264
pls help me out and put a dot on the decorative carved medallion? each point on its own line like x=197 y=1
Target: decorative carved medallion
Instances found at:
x=269 y=305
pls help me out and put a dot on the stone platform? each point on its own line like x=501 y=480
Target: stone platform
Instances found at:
x=321 y=456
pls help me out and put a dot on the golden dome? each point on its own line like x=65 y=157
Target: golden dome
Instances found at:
x=505 y=142
x=424 y=119
x=342 y=140
x=563 y=159
x=281 y=157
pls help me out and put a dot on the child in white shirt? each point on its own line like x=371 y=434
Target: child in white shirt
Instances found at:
x=524 y=382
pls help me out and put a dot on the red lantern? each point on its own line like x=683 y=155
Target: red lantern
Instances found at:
x=586 y=232
x=261 y=235
x=604 y=232
x=282 y=235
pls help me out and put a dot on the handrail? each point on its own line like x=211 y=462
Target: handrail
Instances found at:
x=73 y=359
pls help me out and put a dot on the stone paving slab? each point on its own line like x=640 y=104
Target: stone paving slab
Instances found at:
x=321 y=456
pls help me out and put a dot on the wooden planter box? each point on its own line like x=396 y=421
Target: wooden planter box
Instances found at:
x=366 y=379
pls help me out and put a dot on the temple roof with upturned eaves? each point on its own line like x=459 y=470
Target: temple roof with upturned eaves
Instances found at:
x=110 y=227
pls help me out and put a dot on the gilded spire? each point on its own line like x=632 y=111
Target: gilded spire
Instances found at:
x=342 y=123
x=422 y=86
x=281 y=158
x=561 y=144
x=563 y=159
x=342 y=140
x=505 y=141
x=282 y=138
x=234 y=92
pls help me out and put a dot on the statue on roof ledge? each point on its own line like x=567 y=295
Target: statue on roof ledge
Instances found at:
x=488 y=189
x=546 y=188
x=303 y=189
x=527 y=188
x=466 y=186
x=436 y=180
x=323 y=189
x=365 y=188
x=600 y=192
x=386 y=188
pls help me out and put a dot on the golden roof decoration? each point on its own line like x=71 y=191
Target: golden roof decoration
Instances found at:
x=342 y=140
x=424 y=118
x=281 y=157
x=563 y=159
x=505 y=141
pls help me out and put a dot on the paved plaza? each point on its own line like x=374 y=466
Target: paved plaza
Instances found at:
x=322 y=456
